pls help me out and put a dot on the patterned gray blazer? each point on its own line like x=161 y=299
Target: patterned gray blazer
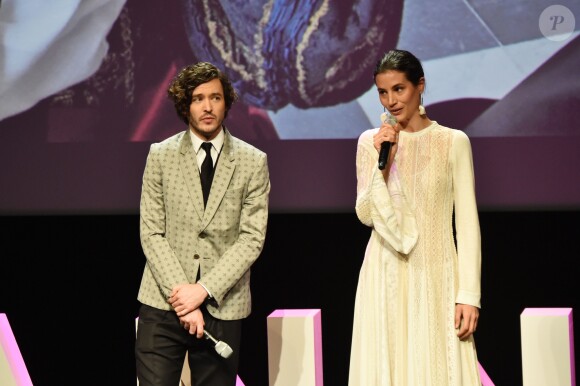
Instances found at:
x=179 y=238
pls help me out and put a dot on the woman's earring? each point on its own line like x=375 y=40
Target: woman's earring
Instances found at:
x=422 y=111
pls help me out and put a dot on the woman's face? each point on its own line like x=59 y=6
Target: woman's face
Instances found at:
x=398 y=95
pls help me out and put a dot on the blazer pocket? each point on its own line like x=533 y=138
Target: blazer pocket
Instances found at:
x=232 y=203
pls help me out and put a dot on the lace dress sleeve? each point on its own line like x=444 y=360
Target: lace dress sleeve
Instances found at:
x=365 y=158
x=384 y=208
x=467 y=222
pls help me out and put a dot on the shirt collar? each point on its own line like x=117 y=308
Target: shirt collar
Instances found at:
x=217 y=142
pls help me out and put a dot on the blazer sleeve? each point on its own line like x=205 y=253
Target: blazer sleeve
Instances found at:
x=161 y=259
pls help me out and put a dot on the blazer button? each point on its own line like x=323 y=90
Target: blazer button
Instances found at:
x=196 y=256
x=202 y=235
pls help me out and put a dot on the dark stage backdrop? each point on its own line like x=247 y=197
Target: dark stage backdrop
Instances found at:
x=69 y=283
x=82 y=93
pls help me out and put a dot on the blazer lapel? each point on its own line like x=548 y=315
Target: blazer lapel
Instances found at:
x=221 y=179
x=190 y=170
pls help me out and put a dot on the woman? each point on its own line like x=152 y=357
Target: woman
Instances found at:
x=418 y=296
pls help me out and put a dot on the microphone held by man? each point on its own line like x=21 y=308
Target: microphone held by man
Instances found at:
x=221 y=347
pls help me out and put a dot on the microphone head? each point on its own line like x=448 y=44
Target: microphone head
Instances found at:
x=384 y=117
x=223 y=349
x=388 y=118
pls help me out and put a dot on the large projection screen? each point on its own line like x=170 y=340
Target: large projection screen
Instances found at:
x=83 y=93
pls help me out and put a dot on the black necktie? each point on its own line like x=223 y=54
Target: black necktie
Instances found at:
x=206 y=171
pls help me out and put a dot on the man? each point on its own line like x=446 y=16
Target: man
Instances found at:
x=199 y=255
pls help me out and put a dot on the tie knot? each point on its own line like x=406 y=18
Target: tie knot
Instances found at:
x=206 y=146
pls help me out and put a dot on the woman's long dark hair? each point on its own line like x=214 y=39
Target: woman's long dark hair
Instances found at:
x=403 y=61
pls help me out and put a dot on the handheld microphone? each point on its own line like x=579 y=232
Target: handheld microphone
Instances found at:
x=221 y=347
x=386 y=146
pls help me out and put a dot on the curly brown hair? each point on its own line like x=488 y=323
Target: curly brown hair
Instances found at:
x=181 y=88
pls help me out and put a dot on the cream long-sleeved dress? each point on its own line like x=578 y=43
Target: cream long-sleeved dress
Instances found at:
x=412 y=274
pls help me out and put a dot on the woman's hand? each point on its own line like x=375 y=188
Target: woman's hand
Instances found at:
x=466 y=317
x=387 y=133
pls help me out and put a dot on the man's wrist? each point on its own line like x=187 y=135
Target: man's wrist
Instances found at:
x=209 y=295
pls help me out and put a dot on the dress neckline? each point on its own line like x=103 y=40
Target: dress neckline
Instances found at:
x=420 y=132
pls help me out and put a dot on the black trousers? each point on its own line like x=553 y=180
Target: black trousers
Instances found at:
x=162 y=343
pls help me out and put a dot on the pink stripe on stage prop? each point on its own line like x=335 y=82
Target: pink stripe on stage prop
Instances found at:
x=12 y=354
x=485 y=380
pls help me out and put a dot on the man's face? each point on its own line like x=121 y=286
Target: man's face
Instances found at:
x=207 y=109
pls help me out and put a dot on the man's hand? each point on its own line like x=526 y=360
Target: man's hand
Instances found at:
x=187 y=297
x=466 y=320
x=193 y=322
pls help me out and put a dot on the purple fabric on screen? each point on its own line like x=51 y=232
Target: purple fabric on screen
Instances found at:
x=305 y=53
